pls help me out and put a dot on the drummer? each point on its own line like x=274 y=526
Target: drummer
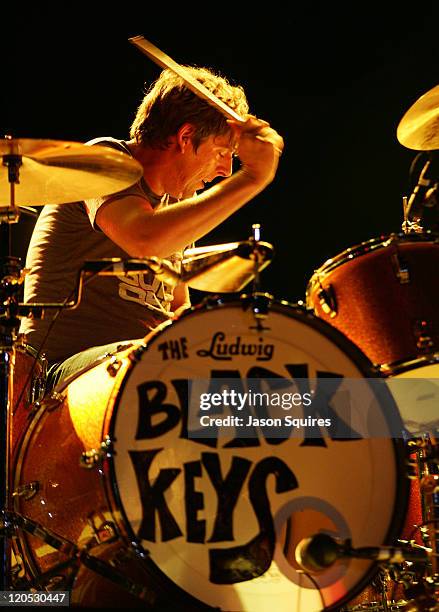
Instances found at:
x=182 y=143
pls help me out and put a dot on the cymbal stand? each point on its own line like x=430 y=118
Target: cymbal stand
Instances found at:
x=10 y=281
x=260 y=301
x=410 y=226
x=254 y=239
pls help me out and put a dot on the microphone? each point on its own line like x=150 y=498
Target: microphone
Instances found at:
x=320 y=551
x=424 y=193
x=115 y=266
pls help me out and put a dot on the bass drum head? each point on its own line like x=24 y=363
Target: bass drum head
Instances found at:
x=204 y=510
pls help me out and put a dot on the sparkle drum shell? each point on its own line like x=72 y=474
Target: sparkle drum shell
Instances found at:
x=29 y=378
x=383 y=295
x=159 y=508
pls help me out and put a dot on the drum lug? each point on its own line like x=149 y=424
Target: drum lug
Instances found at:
x=114 y=366
x=327 y=301
x=424 y=341
x=401 y=269
x=93 y=457
x=136 y=355
x=260 y=305
x=38 y=387
x=54 y=400
x=105 y=533
x=27 y=491
x=33 y=408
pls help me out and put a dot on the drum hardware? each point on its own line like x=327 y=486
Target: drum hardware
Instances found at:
x=114 y=366
x=90 y=458
x=34 y=387
x=401 y=267
x=81 y=555
x=122 y=556
x=27 y=491
x=105 y=533
x=257 y=256
x=107 y=570
x=54 y=400
x=420 y=595
x=423 y=332
x=409 y=226
x=421 y=585
x=429 y=483
x=423 y=197
x=136 y=354
x=52 y=580
x=328 y=301
x=115 y=266
x=230 y=267
x=225 y=268
x=42 y=533
x=10 y=283
x=380 y=583
x=259 y=304
x=38 y=386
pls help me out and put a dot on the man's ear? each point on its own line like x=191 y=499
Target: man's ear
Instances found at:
x=184 y=136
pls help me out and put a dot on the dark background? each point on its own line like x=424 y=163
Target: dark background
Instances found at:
x=334 y=81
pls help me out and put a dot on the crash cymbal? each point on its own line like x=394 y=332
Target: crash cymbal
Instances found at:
x=419 y=127
x=224 y=268
x=56 y=172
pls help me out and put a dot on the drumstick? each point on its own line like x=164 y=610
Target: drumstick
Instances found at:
x=198 y=88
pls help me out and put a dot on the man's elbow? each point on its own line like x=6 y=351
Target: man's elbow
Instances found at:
x=146 y=246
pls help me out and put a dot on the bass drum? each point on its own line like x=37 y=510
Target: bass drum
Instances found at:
x=129 y=510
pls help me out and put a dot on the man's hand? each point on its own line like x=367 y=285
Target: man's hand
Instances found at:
x=259 y=147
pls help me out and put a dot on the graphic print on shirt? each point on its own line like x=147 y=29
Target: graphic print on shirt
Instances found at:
x=146 y=290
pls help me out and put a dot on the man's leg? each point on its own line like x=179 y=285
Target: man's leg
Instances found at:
x=60 y=371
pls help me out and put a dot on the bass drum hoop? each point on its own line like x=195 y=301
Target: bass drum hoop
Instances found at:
x=361 y=361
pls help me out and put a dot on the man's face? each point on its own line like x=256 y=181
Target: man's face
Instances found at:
x=213 y=158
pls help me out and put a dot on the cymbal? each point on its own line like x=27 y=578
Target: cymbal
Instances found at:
x=57 y=172
x=419 y=127
x=224 y=268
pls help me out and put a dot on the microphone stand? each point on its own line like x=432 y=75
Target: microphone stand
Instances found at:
x=260 y=301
